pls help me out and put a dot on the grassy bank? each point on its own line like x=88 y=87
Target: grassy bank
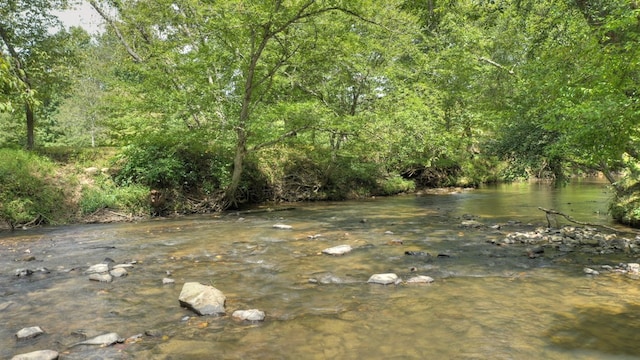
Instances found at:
x=71 y=185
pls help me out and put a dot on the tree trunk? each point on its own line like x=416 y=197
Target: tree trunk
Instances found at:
x=30 y=126
x=238 y=167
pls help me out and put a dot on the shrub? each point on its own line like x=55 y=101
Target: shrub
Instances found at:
x=172 y=161
x=30 y=191
x=395 y=185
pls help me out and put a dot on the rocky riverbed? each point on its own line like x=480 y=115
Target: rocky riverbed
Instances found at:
x=600 y=251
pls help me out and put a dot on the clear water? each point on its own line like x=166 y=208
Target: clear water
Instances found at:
x=486 y=301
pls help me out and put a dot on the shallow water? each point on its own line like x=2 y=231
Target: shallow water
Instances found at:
x=486 y=301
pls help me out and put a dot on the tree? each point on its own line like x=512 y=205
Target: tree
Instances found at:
x=33 y=41
x=222 y=64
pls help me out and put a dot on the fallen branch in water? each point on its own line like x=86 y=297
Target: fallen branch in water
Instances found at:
x=568 y=217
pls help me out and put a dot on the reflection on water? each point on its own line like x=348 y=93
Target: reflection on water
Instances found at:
x=486 y=302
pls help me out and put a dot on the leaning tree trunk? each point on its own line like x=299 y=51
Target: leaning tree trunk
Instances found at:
x=230 y=192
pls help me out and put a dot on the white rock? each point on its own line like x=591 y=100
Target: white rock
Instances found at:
x=202 y=299
x=29 y=332
x=101 y=277
x=384 y=279
x=166 y=281
x=118 y=272
x=97 y=268
x=250 y=315
x=282 y=227
x=420 y=279
x=102 y=340
x=337 y=250
x=37 y=355
x=590 y=271
x=633 y=268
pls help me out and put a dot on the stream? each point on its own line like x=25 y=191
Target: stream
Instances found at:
x=486 y=301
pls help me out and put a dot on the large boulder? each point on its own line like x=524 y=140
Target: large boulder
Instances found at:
x=202 y=299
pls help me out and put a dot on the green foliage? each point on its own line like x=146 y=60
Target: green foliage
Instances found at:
x=173 y=161
x=396 y=185
x=625 y=207
x=131 y=199
x=29 y=192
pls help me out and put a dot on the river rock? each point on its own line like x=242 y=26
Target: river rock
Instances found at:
x=590 y=271
x=282 y=227
x=202 y=299
x=29 y=333
x=471 y=224
x=23 y=272
x=337 y=250
x=37 y=355
x=101 y=277
x=384 y=279
x=420 y=279
x=118 y=272
x=97 y=269
x=102 y=340
x=249 y=315
x=167 y=281
x=632 y=268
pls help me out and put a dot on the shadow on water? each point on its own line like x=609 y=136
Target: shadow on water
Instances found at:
x=612 y=330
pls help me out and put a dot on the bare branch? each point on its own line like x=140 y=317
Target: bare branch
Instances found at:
x=499 y=66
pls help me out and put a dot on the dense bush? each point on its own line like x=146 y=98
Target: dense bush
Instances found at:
x=625 y=207
x=30 y=191
x=178 y=161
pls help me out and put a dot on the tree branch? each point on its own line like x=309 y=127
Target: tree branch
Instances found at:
x=112 y=23
x=499 y=66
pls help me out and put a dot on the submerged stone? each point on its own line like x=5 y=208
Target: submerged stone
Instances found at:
x=249 y=315
x=282 y=227
x=420 y=279
x=202 y=299
x=37 y=355
x=102 y=340
x=384 y=279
